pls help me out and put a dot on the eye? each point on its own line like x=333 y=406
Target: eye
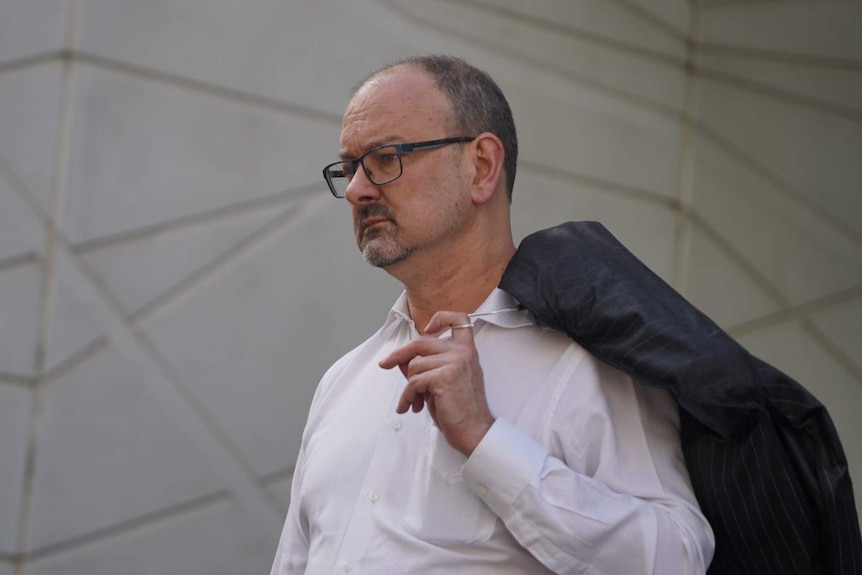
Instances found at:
x=386 y=156
x=348 y=169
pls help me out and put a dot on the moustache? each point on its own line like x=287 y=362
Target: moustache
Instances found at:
x=373 y=210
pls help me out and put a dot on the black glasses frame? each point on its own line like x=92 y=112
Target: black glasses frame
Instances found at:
x=334 y=170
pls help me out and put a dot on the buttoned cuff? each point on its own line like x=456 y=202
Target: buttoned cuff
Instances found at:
x=502 y=465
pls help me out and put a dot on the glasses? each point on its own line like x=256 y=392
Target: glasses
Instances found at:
x=382 y=164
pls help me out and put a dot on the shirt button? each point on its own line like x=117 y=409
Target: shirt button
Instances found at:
x=347 y=566
x=397 y=425
x=373 y=496
x=482 y=490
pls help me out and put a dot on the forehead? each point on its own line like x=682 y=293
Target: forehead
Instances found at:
x=402 y=104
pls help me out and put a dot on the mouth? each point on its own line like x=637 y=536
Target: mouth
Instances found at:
x=370 y=219
x=373 y=221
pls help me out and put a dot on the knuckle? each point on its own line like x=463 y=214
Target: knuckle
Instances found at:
x=413 y=365
x=415 y=385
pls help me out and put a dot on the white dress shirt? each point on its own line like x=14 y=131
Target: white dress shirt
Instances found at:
x=582 y=472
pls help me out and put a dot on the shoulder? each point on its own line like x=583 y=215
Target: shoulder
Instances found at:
x=343 y=365
x=574 y=384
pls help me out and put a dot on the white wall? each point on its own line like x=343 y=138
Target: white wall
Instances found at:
x=158 y=353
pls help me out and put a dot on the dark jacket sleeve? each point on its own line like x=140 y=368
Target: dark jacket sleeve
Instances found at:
x=764 y=458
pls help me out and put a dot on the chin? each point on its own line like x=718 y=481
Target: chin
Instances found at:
x=384 y=256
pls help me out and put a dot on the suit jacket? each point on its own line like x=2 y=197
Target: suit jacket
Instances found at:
x=764 y=458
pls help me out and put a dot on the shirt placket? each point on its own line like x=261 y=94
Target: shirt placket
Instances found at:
x=376 y=502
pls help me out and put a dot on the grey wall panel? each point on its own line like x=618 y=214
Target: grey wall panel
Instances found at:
x=32 y=28
x=29 y=126
x=19 y=318
x=14 y=423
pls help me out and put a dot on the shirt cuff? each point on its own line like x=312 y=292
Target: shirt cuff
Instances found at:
x=502 y=465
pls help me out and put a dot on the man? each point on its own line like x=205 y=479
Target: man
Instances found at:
x=523 y=453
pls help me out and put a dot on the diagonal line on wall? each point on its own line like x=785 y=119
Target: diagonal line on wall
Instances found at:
x=224 y=92
x=502 y=49
x=762 y=89
x=764 y=284
x=225 y=261
x=30 y=61
x=15 y=379
x=781 y=185
x=15 y=261
x=136 y=524
x=719 y=4
x=812 y=60
x=164 y=383
x=795 y=312
x=801 y=313
x=749 y=269
x=222 y=264
x=127 y=526
x=616 y=188
x=167 y=386
x=162 y=77
x=652 y=19
x=221 y=213
x=701 y=4
x=584 y=34
x=278 y=475
x=75 y=360
x=9 y=378
x=832 y=350
x=680 y=63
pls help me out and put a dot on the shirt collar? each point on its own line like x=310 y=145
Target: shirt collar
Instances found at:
x=496 y=300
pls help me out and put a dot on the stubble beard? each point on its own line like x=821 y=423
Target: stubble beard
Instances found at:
x=382 y=249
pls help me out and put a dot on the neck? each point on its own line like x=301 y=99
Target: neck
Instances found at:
x=454 y=283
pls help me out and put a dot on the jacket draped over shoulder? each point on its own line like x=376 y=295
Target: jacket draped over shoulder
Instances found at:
x=765 y=461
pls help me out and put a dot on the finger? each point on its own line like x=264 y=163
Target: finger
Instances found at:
x=456 y=321
x=415 y=390
x=419 y=347
x=414 y=402
x=418 y=403
x=409 y=367
x=418 y=364
x=432 y=408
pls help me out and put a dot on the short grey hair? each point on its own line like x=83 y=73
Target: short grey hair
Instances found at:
x=478 y=104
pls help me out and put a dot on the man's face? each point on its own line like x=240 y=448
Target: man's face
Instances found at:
x=427 y=205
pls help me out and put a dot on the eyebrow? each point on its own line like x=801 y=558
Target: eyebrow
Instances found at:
x=373 y=144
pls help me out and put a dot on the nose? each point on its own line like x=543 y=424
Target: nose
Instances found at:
x=361 y=190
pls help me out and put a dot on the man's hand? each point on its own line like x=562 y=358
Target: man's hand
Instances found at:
x=445 y=375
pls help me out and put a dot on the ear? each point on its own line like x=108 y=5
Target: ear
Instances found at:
x=488 y=163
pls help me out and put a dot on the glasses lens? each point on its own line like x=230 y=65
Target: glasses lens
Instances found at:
x=383 y=164
x=339 y=175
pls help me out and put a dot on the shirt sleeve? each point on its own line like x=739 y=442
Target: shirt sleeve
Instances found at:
x=606 y=492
